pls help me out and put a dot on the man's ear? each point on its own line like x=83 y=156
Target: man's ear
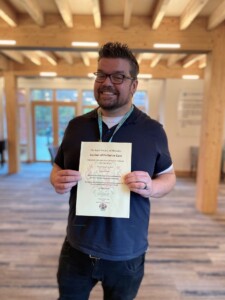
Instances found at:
x=134 y=86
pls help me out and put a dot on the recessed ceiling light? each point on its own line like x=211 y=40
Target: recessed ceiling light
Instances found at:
x=7 y=42
x=190 y=76
x=167 y=46
x=48 y=74
x=85 y=44
x=144 y=76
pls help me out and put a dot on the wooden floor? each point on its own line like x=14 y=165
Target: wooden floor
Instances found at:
x=186 y=260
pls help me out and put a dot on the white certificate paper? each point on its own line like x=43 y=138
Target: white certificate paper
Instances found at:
x=102 y=192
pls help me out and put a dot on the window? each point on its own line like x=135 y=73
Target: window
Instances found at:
x=88 y=98
x=88 y=101
x=21 y=96
x=65 y=114
x=141 y=100
x=66 y=95
x=42 y=95
x=52 y=109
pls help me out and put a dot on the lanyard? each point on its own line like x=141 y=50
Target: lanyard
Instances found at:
x=126 y=116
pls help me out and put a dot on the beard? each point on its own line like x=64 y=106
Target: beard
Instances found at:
x=109 y=98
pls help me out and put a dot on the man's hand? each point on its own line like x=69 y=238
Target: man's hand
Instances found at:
x=64 y=180
x=141 y=183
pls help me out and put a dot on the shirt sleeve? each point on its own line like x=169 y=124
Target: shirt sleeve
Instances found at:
x=59 y=159
x=166 y=170
x=163 y=160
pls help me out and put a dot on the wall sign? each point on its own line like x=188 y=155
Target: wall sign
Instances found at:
x=189 y=113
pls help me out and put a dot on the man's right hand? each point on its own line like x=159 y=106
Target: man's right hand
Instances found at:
x=64 y=180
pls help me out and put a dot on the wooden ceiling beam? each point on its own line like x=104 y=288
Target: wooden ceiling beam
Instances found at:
x=196 y=38
x=202 y=62
x=32 y=56
x=96 y=13
x=217 y=17
x=191 y=59
x=50 y=57
x=65 y=11
x=162 y=71
x=159 y=13
x=8 y=14
x=4 y=63
x=78 y=69
x=139 y=57
x=191 y=11
x=173 y=59
x=67 y=56
x=85 y=58
x=34 y=10
x=155 y=60
x=14 y=55
x=127 y=13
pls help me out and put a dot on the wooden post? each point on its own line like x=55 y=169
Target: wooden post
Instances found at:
x=12 y=123
x=212 y=127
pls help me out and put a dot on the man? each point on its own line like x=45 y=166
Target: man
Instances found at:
x=111 y=250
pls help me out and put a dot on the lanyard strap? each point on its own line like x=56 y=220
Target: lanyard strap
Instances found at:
x=125 y=117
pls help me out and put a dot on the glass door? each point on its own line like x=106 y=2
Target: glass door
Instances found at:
x=65 y=114
x=43 y=131
x=51 y=112
x=50 y=122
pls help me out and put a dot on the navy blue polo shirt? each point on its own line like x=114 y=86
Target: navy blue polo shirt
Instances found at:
x=115 y=238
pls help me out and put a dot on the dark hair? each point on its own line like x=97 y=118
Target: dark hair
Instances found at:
x=118 y=50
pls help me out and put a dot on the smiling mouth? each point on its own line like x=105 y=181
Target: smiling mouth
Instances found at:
x=107 y=93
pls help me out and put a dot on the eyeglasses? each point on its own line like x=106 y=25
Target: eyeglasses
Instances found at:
x=115 y=78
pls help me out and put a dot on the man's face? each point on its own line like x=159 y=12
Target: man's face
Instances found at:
x=115 y=97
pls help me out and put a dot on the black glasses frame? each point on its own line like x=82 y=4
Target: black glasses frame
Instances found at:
x=104 y=76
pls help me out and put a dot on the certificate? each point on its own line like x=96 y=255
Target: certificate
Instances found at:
x=102 y=192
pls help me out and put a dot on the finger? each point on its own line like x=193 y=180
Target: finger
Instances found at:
x=66 y=178
x=136 y=176
x=140 y=185
x=69 y=173
x=137 y=180
x=59 y=191
x=65 y=186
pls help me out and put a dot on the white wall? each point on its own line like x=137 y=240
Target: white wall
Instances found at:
x=155 y=93
x=180 y=141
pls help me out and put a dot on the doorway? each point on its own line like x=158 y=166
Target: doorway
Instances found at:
x=50 y=119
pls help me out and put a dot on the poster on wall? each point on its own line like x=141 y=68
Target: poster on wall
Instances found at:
x=189 y=113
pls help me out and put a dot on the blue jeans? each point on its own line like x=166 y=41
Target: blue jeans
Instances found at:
x=78 y=274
